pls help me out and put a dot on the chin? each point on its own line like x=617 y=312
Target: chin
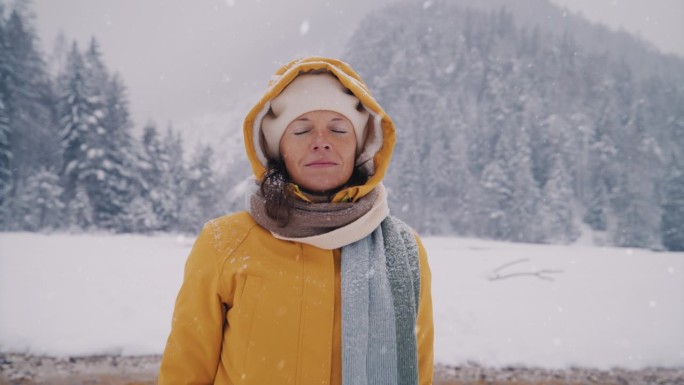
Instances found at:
x=322 y=189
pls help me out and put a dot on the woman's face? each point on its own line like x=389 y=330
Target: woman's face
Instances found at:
x=319 y=150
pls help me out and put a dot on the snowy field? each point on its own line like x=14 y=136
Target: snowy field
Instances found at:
x=496 y=304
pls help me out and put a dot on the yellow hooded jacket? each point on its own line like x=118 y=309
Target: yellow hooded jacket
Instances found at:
x=254 y=309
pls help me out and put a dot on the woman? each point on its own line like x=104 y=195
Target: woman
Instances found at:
x=316 y=284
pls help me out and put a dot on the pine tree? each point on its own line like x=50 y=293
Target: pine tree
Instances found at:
x=102 y=170
x=200 y=201
x=5 y=157
x=672 y=224
x=440 y=189
x=403 y=178
x=519 y=194
x=139 y=216
x=79 y=210
x=638 y=214
x=5 y=129
x=97 y=147
x=77 y=120
x=559 y=226
x=498 y=189
x=175 y=181
x=596 y=215
x=33 y=140
x=39 y=202
x=602 y=181
x=117 y=180
x=155 y=171
x=57 y=59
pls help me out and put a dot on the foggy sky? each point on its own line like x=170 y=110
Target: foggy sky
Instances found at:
x=660 y=22
x=189 y=60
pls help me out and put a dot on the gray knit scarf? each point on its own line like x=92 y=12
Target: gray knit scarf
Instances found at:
x=380 y=292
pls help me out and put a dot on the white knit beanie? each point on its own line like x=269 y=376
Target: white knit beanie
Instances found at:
x=306 y=93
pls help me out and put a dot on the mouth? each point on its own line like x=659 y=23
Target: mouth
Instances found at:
x=321 y=163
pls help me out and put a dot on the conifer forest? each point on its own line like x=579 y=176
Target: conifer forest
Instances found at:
x=506 y=130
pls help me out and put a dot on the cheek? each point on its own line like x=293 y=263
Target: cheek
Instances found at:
x=350 y=152
x=290 y=152
x=349 y=156
x=290 y=163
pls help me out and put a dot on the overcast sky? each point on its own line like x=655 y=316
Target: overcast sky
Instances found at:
x=184 y=60
x=658 y=21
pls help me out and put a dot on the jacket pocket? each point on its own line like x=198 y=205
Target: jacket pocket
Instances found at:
x=241 y=321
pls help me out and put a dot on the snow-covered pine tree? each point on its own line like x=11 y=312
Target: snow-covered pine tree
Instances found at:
x=601 y=175
x=28 y=98
x=39 y=202
x=102 y=177
x=139 y=217
x=199 y=202
x=404 y=105
x=638 y=218
x=634 y=204
x=596 y=214
x=557 y=204
x=5 y=130
x=158 y=191
x=78 y=117
x=57 y=60
x=175 y=180
x=513 y=192
x=5 y=162
x=439 y=186
x=96 y=138
x=672 y=224
x=498 y=191
x=78 y=212
x=117 y=178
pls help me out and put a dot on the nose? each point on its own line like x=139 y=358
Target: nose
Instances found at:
x=321 y=142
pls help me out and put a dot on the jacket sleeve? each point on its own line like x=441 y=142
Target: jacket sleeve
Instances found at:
x=424 y=325
x=193 y=348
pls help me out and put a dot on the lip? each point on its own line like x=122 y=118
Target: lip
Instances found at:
x=321 y=163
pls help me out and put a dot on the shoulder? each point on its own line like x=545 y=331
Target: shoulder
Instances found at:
x=227 y=232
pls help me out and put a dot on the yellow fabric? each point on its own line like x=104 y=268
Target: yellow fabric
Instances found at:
x=257 y=310
x=354 y=83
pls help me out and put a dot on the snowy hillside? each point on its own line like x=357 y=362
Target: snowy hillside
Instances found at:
x=594 y=307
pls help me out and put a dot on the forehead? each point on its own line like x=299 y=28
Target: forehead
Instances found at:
x=321 y=115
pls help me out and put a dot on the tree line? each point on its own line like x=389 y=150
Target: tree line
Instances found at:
x=505 y=132
x=68 y=157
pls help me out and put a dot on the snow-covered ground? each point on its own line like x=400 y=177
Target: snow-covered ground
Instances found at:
x=495 y=303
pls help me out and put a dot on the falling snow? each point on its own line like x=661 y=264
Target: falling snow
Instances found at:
x=304 y=27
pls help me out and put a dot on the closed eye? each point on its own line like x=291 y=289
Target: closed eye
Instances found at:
x=339 y=130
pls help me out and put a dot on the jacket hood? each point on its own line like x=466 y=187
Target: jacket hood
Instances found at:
x=375 y=155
